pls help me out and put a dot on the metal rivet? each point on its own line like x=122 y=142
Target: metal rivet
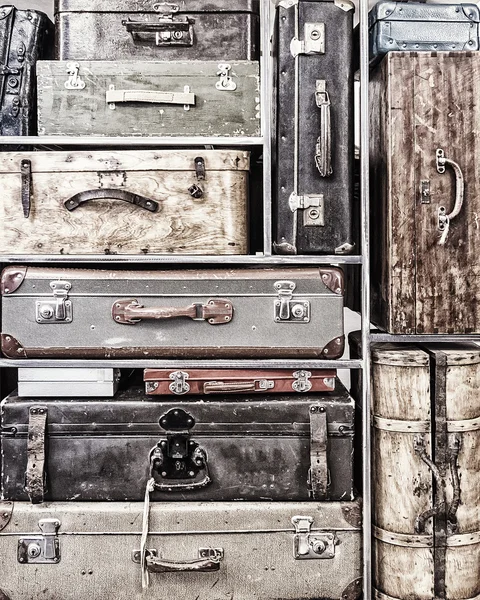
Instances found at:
x=164 y=473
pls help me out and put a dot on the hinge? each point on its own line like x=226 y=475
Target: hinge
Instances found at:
x=288 y=309
x=179 y=385
x=313 y=207
x=308 y=545
x=302 y=381
x=41 y=549
x=313 y=40
x=59 y=309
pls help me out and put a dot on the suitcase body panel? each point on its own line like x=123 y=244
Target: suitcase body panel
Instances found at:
x=257 y=542
x=263 y=309
x=446 y=557
x=424 y=270
x=54 y=383
x=25 y=37
x=255 y=449
x=169 y=382
x=312 y=124
x=416 y=26
x=127 y=98
x=100 y=31
x=213 y=223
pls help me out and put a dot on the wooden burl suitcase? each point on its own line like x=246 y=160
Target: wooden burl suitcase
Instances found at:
x=426 y=485
x=207 y=551
x=210 y=313
x=425 y=202
x=124 y=202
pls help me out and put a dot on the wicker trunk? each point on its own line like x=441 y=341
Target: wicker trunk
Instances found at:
x=425 y=160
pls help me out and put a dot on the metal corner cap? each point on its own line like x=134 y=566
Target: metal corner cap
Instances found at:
x=11 y=347
x=6 y=511
x=353 y=590
x=345 y=5
x=12 y=279
x=352 y=513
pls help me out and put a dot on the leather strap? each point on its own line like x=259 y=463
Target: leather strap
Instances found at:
x=318 y=452
x=36 y=454
x=110 y=194
x=26 y=172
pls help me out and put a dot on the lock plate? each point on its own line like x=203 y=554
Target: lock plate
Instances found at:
x=288 y=309
x=313 y=207
x=302 y=381
x=179 y=385
x=41 y=549
x=313 y=40
x=308 y=545
x=57 y=309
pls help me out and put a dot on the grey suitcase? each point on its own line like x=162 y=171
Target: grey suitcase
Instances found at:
x=314 y=146
x=278 y=447
x=72 y=382
x=412 y=26
x=137 y=98
x=207 y=551
x=88 y=313
x=147 y=30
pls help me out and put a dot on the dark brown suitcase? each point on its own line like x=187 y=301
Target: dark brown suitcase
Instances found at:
x=314 y=148
x=143 y=29
x=168 y=382
x=425 y=202
x=277 y=447
x=25 y=37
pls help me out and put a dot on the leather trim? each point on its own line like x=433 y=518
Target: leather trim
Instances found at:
x=6 y=511
x=333 y=279
x=333 y=349
x=36 y=454
x=11 y=347
x=353 y=590
x=12 y=279
x=352 y=513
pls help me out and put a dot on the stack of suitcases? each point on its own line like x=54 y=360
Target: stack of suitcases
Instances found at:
x=178 y=482
x=188 y=473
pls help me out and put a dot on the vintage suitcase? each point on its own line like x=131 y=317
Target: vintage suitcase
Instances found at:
x=25 y=37
x=161 y=382
x=202 y=550
x=278 y=447
x=124 y=202
x=149 y=30
x=209 y=313
x=425 y=110
x=425 y=439
x=314 y=149
x=133 y=98
x=71 y=382
x=422 y=26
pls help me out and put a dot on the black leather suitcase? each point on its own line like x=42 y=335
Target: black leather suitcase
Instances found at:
x=314 y=149
x=277 y=447
x=25 y=37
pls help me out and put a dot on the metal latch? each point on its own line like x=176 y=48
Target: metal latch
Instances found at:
x=74 y=81
x=41 y=549
x=308 y=545
x=288 y=309
x=59 y=308
x=425 y=191
x=226 y=83
x=195 y=190
x=313 y=42
x=178 y=463
x=312 y=206
x=179 y=384
x=302 y=381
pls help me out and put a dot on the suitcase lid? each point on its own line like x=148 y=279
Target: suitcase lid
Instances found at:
x=234 y=374
x=422 y=12
x=148 y=6
x=131 y=412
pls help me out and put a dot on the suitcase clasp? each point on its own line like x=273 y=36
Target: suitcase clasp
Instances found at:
x=288 y=309
x=313 y=42
x=309 y=545
x=59 y=308
x=312 y=206
x=41 y=549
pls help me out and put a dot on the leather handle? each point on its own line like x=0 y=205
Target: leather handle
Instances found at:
x=110 y=194
x=323 y=149
x=166 y=30
x=184 y=98
x=36 y=454
x=318 y=472
x=255 y=385
x=215 y=311
x=444 y=219
x=201 y=565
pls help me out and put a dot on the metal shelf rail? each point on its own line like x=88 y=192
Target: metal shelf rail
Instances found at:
x=266 y=258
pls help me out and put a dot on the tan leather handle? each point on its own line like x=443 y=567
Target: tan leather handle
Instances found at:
x=217 y=311
x=202 y=565
x=256 y=385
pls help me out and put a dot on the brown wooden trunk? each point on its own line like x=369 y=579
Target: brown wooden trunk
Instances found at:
x=425 y=273
x=409 y=387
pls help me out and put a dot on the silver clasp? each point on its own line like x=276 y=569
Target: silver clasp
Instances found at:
x=74 y=82
x=41 y=549
x=179 y=386
x=59 y=308
x=308 y=545
x=288 y=310
x=226 y=83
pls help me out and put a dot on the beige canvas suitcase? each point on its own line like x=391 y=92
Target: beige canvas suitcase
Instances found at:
x=124 y=202
x=194 y=551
